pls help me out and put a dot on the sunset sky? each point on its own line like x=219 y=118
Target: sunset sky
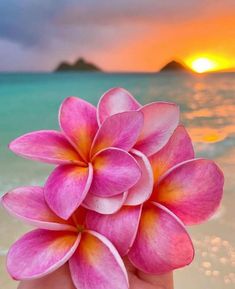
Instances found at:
x=123 y=35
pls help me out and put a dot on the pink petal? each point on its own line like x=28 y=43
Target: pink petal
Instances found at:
x=142 y=190
x=192 y=190
x=66 y=188
x=160 y=120
x=60 y=279
x=115 y=171
x=162 y=243
x=40 y=252
x=120 y=228
x=28 y=204
x=120 y=130
x=178 y=149
x=97 y=264
x=46 y=146
x=78 y=121
x=114 y=101
x=104 y=205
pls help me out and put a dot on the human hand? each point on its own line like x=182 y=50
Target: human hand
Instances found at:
x=61 y=279
x=141 y=280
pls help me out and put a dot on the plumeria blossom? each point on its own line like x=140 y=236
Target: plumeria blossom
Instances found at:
x=95 y=169
x=93 y=162
x=86 y=255
x=134 y=167
x=160 y=120
x=186 y=191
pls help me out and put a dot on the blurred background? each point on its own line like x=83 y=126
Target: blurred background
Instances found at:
x=180 y=51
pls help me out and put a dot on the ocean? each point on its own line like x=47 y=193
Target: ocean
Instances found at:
x=30 y=102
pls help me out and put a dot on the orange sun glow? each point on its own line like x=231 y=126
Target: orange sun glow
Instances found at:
x=202 y=64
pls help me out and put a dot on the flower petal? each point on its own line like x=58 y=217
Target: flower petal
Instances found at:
x=178 y=149
x=115 y=171
x=40 y=252
x=28 y=204
x=46 y=146
x=66 y=188
x=114 y=101
x=120 y=228
x=60 y=279
x=104 y=205
x=120 y=130
x=78 y=121
x=97 y=264
x=160 y=120
x=192 y=190
x=142 y=190
x=162 y=243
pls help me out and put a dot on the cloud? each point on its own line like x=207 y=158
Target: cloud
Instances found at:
x=35 y=22
x=28 y=22
x=47 y=31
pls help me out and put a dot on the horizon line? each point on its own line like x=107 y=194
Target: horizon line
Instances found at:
x=115 y=72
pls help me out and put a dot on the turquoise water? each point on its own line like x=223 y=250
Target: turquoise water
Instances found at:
x=30 y=102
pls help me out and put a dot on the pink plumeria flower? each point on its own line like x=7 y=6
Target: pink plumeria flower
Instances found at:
x=186 y=191
x=93 y=163
x=92 y=259
x=160 y=121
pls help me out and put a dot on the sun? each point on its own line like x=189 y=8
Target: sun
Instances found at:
x=207 y=62
x=203 y=64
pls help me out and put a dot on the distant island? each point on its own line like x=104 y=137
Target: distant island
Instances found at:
x=80 y=65
x=175 y=66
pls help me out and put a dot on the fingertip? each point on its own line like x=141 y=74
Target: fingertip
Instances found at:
x=163 y=281
x=130 y=268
